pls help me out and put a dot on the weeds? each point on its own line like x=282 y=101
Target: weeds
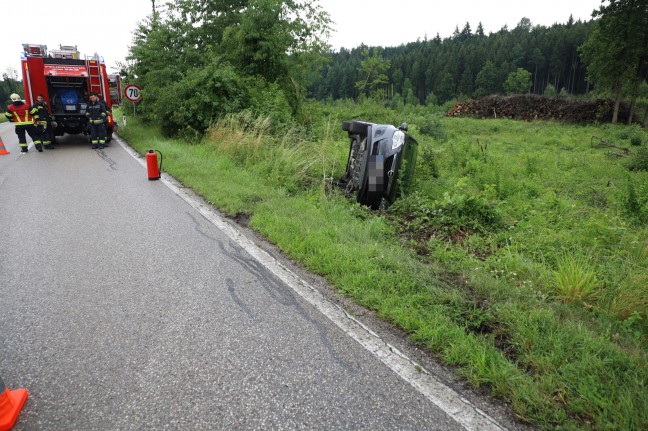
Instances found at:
x=639 y=161
x=574 y=281
x=506 y=217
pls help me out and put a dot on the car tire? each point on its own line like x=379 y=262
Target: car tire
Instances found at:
x=359 y=127
x=359 y=165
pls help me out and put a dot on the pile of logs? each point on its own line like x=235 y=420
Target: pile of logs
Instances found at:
x=533 y=107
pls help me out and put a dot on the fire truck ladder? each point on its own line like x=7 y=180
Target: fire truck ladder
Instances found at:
x=95 y=75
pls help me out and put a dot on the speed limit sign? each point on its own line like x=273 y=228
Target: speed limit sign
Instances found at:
x=133 y=92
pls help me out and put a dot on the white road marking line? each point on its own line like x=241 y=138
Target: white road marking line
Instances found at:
x=444 y=397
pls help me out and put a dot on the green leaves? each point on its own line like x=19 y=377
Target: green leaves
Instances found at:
x=373 y=70
x=195 y=58
x=616 y=50
x=518 y=82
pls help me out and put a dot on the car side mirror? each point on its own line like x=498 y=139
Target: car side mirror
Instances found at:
x=403 y=127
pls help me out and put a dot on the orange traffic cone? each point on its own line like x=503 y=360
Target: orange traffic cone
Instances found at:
x=10 y=404
x=3 y=150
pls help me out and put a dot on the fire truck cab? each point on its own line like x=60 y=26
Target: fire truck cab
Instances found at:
x=65 y=81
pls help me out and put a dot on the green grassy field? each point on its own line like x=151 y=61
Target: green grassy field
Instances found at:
x=520 y=257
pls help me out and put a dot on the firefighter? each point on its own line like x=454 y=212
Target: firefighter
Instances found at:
x=97 y=113
x=18 y=113
x=40 y=112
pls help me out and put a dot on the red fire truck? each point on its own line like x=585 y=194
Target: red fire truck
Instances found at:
x=65 y=80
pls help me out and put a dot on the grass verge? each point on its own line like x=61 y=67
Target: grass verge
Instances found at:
x=495 y=265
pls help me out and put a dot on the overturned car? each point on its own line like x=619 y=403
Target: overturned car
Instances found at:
x=381 y=162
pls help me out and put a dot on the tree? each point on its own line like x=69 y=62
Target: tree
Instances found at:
x=373 y=70
x=446 y=90
x=518 y=82
x=487 y=80
x=524 y=26
x=517 y=55
x=277 y=45
x=480 y=29
x=616 y=50
x=537 y=59
x=465 y=86
x=466 y=32
x=550 y=53
x=397 y=80
x=9 y=85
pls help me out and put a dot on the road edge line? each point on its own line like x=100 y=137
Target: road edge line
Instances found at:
x=447 y=399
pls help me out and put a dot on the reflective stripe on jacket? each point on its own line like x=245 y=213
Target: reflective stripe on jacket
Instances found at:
x=40 y=111
x=97 y=112
x=18 y=112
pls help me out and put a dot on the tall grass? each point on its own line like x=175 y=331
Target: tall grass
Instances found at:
x=515 y=259
x=574 y=281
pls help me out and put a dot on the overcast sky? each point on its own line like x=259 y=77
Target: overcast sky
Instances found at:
x=108 y=31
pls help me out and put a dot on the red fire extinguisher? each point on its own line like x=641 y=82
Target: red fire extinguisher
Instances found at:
x=154 y=172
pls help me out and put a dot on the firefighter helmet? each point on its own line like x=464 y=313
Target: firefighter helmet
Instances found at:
x=14 y=97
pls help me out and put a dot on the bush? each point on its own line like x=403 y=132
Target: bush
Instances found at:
x=457 y=211
x=431 y=125
x=550 y=91
x=200 y=97
x=269 y=100
x=636 y=140
x=639 y=161
x=427 y=165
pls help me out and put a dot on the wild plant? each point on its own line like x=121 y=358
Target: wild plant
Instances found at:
x=575 y=280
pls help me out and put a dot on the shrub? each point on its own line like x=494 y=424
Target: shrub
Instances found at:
x=269 y=100
x=636 y=140
x=456 y=211
x=427 y=165
x=200 y=97
x=634 y=204
x=431 y=125
x=624 y=133
x=639 y=161
x=463 y=210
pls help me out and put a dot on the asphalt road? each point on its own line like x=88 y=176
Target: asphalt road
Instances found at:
x=123 y=307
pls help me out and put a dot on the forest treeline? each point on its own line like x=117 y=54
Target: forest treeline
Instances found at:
x=199 y=61
x=467 y=64
x=606 y=57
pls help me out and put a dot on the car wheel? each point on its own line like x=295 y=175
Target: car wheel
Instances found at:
x=358 y=165
x=359 y=127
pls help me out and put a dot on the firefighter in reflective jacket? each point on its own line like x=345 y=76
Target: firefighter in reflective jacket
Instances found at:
x=40 y=112
x=18 y=113
x=97 y=114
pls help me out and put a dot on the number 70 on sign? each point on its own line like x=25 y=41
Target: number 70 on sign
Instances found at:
x=133 y=92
